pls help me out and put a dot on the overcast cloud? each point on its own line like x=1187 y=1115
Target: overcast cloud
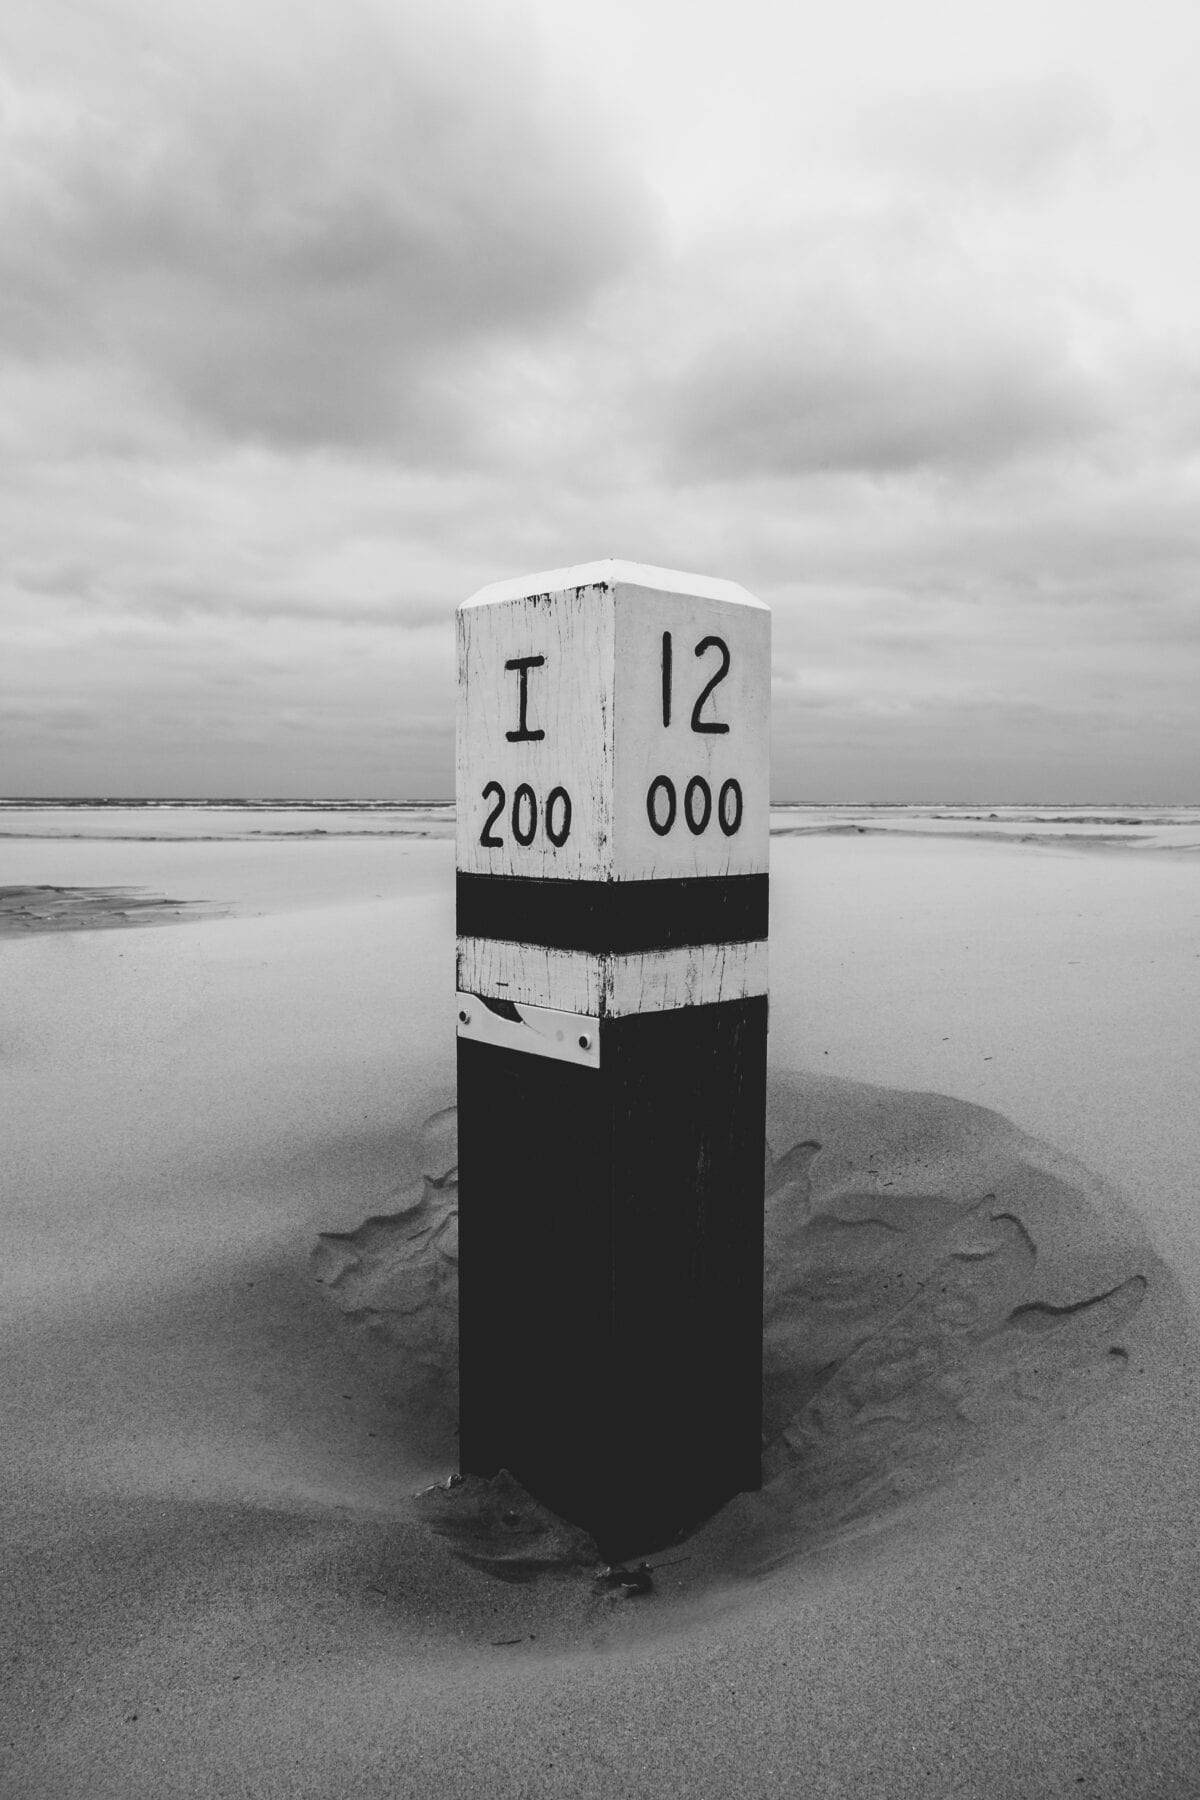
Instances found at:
x=313 y=319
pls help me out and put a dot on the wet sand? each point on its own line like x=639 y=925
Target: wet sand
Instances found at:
x=231 y=1564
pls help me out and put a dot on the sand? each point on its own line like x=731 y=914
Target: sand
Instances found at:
x=231 y=1565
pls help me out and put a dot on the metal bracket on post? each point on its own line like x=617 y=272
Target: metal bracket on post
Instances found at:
x=537 y=1030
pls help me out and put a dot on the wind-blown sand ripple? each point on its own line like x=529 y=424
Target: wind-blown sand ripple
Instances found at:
x=46 y=908
x=941 y=1291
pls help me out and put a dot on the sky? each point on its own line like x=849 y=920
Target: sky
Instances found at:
x=314 y=319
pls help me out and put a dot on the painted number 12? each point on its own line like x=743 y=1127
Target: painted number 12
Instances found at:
x=705 y=644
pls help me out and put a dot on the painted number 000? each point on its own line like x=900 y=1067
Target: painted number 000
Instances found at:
x=662 y=805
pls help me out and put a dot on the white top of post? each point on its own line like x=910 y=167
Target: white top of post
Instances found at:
x=612 y=745
x=613 y=725
x=609 y=572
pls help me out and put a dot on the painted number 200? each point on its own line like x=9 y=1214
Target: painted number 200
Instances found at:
x=524 y=816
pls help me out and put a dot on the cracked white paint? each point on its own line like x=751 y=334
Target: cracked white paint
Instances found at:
x=611 y=986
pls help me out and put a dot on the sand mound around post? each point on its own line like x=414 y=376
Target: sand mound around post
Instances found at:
x=941 y=1292
x=396 y=1275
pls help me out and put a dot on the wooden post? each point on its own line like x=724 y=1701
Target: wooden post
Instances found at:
x=612 y=1024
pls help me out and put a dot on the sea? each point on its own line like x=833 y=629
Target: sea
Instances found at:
x=1131 y=826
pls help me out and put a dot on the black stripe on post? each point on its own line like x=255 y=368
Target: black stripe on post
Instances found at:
x=618 y=917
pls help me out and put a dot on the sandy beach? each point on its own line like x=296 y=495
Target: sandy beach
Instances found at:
x=230 y=1563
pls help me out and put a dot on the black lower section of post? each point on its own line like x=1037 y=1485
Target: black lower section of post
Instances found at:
x=610 y=1265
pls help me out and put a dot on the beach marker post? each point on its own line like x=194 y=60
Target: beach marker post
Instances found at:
x=612 y=897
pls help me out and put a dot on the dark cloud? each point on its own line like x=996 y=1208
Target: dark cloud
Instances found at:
x=203 y=706
x=878 y=325
x=877 y=343
x=298 y=222
x=794 y=406
x=996 y=136
x=315 y=318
